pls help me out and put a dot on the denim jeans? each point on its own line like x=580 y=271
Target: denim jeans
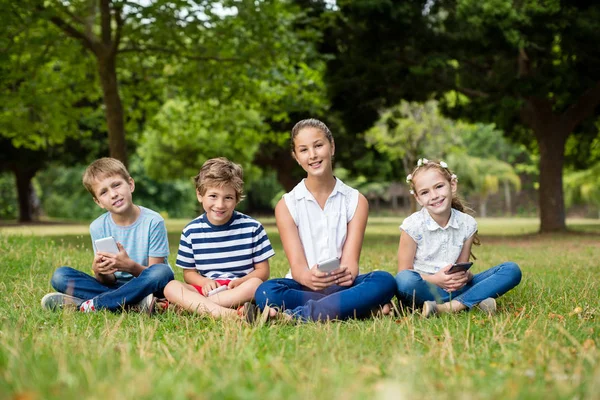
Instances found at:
x=367 y=293
x=413 y=290
x=117 y=296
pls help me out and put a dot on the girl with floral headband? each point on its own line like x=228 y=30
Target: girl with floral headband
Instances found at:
x=436 y=237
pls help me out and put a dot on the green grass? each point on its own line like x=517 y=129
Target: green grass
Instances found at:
x=543 y=343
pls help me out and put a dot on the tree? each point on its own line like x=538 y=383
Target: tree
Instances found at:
x=405 y=131
x=206 y=47
x=45 y=100
x=532 y=68
x=483 y=176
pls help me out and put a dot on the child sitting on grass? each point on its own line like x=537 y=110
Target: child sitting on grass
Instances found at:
x=438 y=236
x=222 y=248
x=138 y=272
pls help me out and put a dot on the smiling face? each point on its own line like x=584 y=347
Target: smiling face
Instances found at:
x=218 y=203
x=434 y=192
x=113 y=193
x=313 y=151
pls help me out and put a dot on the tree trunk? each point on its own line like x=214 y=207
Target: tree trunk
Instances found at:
x=107 y=69
x=551 y=198
x=23 y=179
x=507 y=198
x=483 y=207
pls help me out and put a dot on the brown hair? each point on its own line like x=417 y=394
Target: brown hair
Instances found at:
x=218 y=172
x=310 y=123
x=102 y=168
x=457 y=203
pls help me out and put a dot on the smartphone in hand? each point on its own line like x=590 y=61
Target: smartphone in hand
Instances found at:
x=107 y=245
x=329 y=265
x=459 y=267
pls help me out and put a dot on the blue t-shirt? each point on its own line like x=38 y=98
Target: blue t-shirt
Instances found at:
x=146 y=237
x=227 y=251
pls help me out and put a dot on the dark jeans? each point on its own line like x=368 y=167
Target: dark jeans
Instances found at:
x=368 y=292
x=123 y=293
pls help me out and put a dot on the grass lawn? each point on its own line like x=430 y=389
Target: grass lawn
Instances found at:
x=543 y=343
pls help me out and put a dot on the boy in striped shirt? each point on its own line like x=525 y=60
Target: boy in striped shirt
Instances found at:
x=224 y=253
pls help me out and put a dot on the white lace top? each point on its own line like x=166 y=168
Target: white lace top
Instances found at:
x=437 y=246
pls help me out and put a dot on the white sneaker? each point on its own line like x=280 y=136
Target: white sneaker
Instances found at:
x=146 y=305
x=57 y=301
x=488 y=306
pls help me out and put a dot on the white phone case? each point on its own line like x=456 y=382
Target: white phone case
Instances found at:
x=329 y=265
x=107 y=245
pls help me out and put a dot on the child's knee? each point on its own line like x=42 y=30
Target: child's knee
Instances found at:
x=161 y=272
x=513 y=270
x=264 y=293
x=60 y=278
x=407 y=279
x=173 y=290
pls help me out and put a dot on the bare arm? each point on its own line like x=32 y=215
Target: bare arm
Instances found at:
x=407 y=249
x=261 y=271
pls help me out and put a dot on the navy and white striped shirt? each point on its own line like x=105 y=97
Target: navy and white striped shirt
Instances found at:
x=227 y=251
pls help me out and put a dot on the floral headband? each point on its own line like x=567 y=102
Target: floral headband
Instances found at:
x=423 y=161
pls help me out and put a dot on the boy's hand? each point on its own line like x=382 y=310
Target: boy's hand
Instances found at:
x=102 y=265
x=119 y=261
x=450 y=282
x=321 y=280
x=208 y=287
x=234 y=283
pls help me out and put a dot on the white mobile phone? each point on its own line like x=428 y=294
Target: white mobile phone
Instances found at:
x=107 y=245
x=329 y=265
x=217 y=290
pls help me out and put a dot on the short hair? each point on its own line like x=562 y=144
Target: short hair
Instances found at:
x=101 y=168
x=218 y=172
x=310 y=123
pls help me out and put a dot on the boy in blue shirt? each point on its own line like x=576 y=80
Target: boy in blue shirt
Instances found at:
x=133 y=275
x=222 y=250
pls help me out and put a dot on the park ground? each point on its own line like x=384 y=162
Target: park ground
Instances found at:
x=543 y=343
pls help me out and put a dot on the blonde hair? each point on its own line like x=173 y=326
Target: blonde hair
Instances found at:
x=102 y=168
x=218 y=172
x=457 y=203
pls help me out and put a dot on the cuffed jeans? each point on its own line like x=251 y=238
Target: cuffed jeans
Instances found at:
x=367 y=293
x=413 y=290
x=115 y=297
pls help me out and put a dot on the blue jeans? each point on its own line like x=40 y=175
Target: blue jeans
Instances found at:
x=413 y=290
x=115 y=297
x=367 y=293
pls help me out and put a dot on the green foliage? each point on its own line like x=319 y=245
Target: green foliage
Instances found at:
x=183 y=135
x=583 y=187
x=64 y=196
x=8 y=197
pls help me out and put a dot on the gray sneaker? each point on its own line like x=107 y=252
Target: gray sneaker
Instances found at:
x=488 y=306
x=429 y=309
x=146 y=306
x=57 y=301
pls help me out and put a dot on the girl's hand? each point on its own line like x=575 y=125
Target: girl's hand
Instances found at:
x=450 y=282
x=207 y=287
x=346 y=280
x=321 y=280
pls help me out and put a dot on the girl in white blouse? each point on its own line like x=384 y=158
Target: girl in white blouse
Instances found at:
x=437 y=237
x=320 y=219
